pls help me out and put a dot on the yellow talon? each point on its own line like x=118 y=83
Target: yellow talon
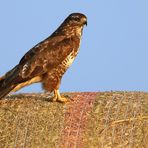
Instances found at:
x=58 y=98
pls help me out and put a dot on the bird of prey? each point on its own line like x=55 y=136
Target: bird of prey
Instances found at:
x=47 y=61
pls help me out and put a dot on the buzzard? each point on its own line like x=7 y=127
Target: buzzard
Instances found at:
x=48 y=60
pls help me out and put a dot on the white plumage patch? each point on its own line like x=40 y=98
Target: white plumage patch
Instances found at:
x=25 y=67
x=69 y=60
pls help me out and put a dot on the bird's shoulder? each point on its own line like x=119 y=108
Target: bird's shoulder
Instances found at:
x=46 y=55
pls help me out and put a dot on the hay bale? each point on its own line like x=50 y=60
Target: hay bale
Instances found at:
x=103 y=119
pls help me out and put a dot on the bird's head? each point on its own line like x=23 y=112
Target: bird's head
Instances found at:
x=72 y=25
x=76 y=19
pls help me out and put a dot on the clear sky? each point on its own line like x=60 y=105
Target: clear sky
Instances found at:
x=114 y=48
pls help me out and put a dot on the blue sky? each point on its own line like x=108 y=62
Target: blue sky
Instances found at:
x=114 y=48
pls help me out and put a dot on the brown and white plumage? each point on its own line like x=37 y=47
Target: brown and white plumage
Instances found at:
x=47 y=61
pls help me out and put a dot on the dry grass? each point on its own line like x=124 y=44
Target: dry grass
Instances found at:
x=114 y=120
x=118 y=120
x=30 y=122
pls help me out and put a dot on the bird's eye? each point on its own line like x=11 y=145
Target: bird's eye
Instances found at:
x=77 y=19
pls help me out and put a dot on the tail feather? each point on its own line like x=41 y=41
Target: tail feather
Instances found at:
x=5 y=90
x=8 y=82
x=12 y=82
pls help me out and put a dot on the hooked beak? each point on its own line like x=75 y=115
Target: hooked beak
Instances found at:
x=85 y=23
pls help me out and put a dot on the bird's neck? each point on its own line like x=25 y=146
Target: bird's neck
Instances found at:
x=69 y=31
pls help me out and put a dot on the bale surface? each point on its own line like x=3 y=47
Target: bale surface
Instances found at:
x=91 y=120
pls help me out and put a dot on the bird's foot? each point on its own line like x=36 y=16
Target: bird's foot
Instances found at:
x=58 y=98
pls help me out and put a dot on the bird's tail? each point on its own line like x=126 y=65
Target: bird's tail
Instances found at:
x=5 y=90
x=7 y=82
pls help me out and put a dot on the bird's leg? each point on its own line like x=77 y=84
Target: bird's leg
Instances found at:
x=57 y=97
